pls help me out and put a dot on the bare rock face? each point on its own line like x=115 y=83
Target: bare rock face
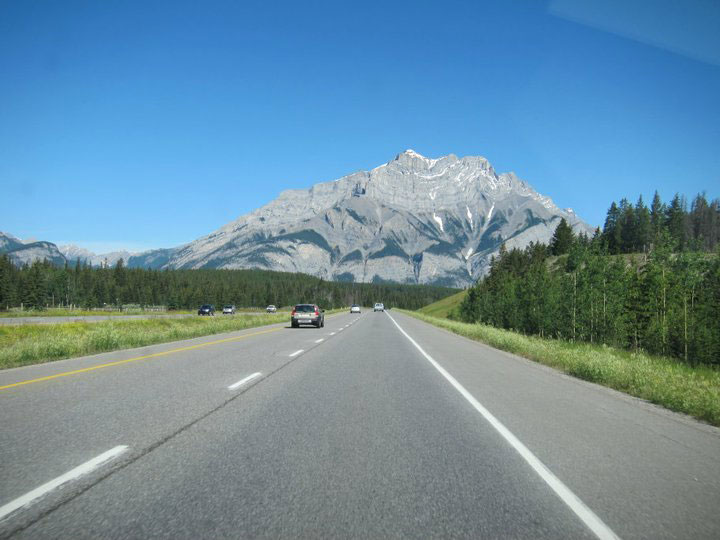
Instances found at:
x=411 y=220
x=21 y=253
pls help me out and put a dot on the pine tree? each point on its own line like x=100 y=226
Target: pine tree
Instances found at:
x=628 y=227
x=612 y=230
x=7 y=283
x=657 y=218
x=562 y=239
x=643 y=232
x=676 y=216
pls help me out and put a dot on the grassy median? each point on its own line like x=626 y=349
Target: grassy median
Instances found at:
x=664 y=381
x=63 y=312
x=38 y=343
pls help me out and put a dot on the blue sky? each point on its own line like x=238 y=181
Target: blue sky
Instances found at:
x=149 y=124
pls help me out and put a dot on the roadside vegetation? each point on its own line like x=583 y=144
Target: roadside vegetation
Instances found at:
x=649 y=282
x=67 y=312
x=35 y=344
x=448 y=307
x=664 y=381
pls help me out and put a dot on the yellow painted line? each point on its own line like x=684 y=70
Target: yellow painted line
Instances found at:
x=127 y=361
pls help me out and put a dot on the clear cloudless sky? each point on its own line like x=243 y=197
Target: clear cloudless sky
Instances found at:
x=148 y=124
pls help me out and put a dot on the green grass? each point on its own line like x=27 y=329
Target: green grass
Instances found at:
x=444 y=307
x=663 y=381
x=63 y=312
x=35 y=344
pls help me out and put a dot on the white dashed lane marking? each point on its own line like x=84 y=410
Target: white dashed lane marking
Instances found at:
x=243 y=381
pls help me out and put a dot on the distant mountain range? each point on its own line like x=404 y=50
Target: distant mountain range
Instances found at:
x=74 y=253
x=21 y=252
x=411 y=220
x=24 y=253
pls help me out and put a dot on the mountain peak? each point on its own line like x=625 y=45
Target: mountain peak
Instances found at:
x=413 y=219
x=411 y=158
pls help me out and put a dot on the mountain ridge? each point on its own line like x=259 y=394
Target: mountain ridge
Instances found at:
x=411 y=220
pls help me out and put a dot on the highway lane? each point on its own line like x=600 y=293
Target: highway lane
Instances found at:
x=649 y=472
x=50 y=426
x=357 y=435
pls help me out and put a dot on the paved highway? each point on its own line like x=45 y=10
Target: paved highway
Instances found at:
x=377 y=425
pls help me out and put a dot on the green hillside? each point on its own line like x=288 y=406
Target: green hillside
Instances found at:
x=444 y=306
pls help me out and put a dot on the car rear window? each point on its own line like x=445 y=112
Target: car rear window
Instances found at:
x=305 y=308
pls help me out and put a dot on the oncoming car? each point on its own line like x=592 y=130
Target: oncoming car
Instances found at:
x=379 y=307
x=206 y=309
x=229 y=310
x=354 y=308
x=307 y=314
x=271 y=309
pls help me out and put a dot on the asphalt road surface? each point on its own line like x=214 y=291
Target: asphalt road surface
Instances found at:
x=377 y=425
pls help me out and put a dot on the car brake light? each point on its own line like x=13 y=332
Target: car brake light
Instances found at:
x=317 y=312
x=293 y=313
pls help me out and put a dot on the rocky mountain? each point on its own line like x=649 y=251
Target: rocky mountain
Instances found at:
x=25 y=253
x=155 y=258
x=411 y=220
x=75 y=253
x=9 y=243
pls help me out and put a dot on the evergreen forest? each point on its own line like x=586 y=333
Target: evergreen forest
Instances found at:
x=41 y=284
x=650 y=280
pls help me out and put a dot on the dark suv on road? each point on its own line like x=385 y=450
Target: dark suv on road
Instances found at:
x=206 y=309
x=307 y=314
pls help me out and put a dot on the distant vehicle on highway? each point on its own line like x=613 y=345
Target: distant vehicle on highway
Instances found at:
x=307 y=314
x=354 y=308
x=271 y=309
x=206 y=309
x=229 y=310
x=379 y=307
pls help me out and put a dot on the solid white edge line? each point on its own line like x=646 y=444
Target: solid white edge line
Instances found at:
x=297 y=352
x=319 y=340
x=587 y=516
x=243 y=381
x=75 y=473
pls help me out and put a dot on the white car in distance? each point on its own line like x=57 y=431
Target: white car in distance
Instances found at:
x=379 y=307
x=271 y=309
x=354 y=308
